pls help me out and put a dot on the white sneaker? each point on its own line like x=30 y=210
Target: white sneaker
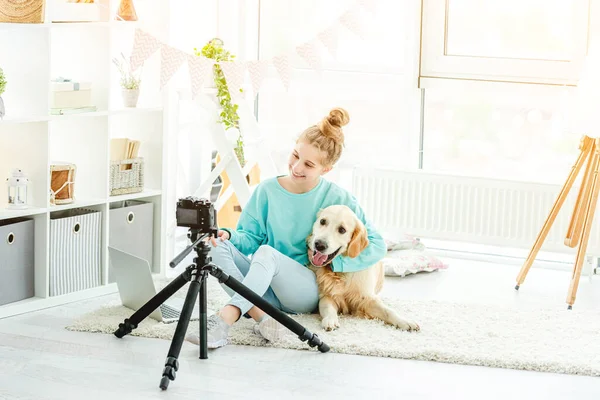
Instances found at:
x=270 y=329
x=217 y=331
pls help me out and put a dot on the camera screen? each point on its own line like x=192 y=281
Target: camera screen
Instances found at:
x=187 y=216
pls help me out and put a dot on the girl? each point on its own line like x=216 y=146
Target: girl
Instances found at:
x=273 y=227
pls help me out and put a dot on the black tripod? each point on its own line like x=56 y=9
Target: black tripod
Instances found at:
x=196 y=273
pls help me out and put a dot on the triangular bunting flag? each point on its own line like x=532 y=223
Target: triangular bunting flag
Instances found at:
x=200 y=69
x=258 y=71
x=171 y=60
x=351 y=21
x=144 y=45
x=234 y=75
x=284 y=69
x=310 y=53
x=369 y=5
x=329 y=38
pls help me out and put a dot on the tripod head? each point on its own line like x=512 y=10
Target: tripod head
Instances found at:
x=201 y=217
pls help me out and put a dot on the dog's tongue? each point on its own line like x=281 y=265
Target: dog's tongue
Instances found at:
x=319 y=258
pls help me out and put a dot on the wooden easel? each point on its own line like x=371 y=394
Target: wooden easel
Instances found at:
x=583 y=213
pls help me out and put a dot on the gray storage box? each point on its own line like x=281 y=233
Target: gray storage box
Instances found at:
x=131 y=229
x=75 y=256
x=16 y=260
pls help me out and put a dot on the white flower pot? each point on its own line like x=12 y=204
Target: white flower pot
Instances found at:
x=130 y=97
x=2 y=110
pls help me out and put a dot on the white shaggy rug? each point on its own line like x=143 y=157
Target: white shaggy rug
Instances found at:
x=549 y=340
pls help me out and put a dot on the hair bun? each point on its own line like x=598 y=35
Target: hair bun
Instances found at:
x=331 y=126
x=338 y=117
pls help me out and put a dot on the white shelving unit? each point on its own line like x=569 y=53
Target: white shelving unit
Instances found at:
x=32 y=139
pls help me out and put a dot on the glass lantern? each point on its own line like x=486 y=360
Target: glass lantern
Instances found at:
x=17 y=190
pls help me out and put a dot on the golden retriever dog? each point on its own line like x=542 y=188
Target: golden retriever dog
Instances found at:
x=337 y=231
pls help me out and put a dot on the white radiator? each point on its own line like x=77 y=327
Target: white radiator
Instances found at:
x=469 y=209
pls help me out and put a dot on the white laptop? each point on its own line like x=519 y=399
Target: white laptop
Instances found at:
x=136 y=287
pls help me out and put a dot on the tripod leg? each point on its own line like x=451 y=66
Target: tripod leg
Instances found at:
x=132 y=322
x=581 y=205
x=203 y=328
x=281 y=317
x=585 y=146
x=171 y=363
x=587 y=226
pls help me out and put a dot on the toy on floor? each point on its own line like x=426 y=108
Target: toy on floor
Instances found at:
x=407 y=256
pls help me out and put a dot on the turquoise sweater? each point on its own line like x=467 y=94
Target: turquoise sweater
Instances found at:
x=275 y=217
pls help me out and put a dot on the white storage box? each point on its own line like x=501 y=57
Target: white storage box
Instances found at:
x=75 y=250
x=70 y=94
x=75 y=12
x=16 y=260
x=131 y=227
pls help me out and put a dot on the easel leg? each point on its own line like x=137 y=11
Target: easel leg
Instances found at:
x=581 y=205
x=585 y=147
x=587 y=226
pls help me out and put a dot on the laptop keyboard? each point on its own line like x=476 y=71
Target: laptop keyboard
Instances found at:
x=169 y=312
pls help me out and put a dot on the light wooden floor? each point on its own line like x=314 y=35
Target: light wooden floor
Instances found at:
x=41 y=360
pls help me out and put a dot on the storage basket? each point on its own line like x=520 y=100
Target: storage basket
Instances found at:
x=126 y=176
x=65 y=11
x=22 y=11
x=75 y=250
x=16 y=260
x=62 y=183
x=131 y=229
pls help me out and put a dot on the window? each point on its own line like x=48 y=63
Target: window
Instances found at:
x=374 y=78
x=541 y=41
x=501 y=130
x=285 y=24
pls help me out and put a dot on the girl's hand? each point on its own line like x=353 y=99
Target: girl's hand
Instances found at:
x=223 y=235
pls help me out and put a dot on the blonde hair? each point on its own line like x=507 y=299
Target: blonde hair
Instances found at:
x=327 y=135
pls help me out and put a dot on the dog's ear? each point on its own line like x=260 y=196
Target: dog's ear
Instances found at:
x=359 y=240
x=309 y=239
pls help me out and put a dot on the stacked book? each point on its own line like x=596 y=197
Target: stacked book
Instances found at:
x=124 y=149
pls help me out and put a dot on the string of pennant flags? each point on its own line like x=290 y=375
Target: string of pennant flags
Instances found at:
x=200 y=67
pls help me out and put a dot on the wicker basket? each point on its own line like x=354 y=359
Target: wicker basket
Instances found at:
x=126 y=176
x=22 y=11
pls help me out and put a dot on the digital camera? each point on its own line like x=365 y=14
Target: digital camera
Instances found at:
x=197 y=214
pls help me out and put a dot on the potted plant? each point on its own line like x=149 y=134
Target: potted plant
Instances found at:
x=228 y=117
x=130 y=83
x=2 y=89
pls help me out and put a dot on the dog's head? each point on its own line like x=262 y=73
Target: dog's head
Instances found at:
x=336 y=231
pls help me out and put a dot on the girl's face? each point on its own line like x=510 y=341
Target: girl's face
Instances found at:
x=305 y=163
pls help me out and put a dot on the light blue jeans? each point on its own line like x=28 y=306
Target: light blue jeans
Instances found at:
x=280 y=280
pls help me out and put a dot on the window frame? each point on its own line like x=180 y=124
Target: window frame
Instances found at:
x=436 y=63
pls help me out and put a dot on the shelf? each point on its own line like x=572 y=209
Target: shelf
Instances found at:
x=38 y=303
x=134 y=196
x=51 y=25
x=135 y=110
x=7 y=214
x=43 y=118
x=32 y=139
x=78 y=115
x=24 y=119
x=77 y=204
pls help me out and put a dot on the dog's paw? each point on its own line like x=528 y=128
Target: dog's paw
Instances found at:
x=330 y=323
x=407 y=325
